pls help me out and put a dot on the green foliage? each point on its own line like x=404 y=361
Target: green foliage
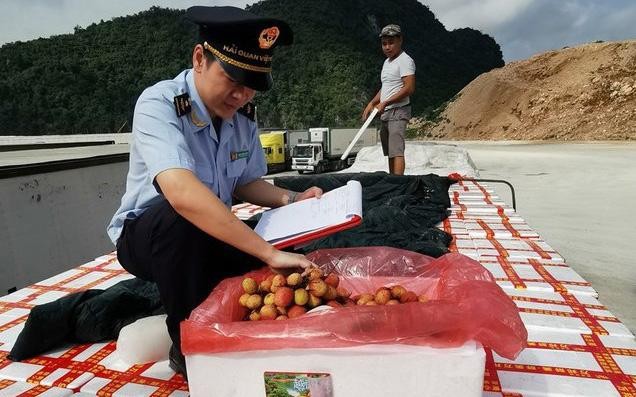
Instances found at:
x=274 y=388
x=89 y=81
x=433 y=114
x=412 y=133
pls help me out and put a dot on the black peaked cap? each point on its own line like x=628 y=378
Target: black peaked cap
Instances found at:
x=242 y=42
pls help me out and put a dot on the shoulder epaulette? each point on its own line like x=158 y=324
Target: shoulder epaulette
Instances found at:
x=182 y=104
x=249 y=111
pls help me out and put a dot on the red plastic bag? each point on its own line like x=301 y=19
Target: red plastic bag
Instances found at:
x=464 y=303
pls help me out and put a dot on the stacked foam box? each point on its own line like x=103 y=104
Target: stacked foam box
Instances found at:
x=370 y=370
x=90 y=369
x=246 y=210
x=576 y=346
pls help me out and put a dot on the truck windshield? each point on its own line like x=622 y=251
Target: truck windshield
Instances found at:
x=302 y=151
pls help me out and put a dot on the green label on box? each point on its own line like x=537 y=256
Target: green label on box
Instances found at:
x=297 y=384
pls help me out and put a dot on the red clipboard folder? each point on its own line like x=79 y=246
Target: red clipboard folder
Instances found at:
x=306 y=237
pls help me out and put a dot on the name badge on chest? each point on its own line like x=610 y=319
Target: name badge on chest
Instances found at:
x=239 y=155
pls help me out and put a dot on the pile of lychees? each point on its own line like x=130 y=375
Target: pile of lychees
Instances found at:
x=278 y=297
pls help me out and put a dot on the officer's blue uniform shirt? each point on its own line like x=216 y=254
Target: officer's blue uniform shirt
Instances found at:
x=162 y=140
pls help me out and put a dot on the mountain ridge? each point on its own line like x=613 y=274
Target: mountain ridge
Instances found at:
x=88 y=81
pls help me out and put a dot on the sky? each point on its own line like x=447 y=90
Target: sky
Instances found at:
x=521 y=27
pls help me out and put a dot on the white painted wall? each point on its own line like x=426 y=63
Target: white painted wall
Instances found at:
x=55 y=221
x=42 y=139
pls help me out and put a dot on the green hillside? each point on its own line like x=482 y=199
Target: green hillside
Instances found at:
x=88 y=82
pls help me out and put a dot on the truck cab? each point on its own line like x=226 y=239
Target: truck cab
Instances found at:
x=308 y=157
x=276 y=150
x=278 y=145
x=326 y=146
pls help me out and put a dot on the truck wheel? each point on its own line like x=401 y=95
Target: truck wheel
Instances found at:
x=320 y=169
x=301 y=172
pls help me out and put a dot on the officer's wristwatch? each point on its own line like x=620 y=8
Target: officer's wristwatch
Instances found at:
x=292 y=196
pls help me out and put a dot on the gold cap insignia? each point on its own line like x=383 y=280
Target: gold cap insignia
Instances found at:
x=268 y=37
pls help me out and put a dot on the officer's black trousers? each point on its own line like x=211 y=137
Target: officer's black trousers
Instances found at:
x=186 y=263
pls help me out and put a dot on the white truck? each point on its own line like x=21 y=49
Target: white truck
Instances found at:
x=325 y=147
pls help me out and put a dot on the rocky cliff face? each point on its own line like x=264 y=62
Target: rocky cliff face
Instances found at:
x=582 y=93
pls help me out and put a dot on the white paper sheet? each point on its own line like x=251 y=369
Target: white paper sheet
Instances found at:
x=333 y=208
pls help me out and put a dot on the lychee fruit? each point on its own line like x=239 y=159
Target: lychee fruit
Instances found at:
x=278 y=281
x=254 y=301
x=382 y=296
x=317 y=287
x=331 y=293
x=269 y=299
x=255 y=316
x=268 y=312
x=301 y=297
x=265 y=285
x=243 y=300
x=343 y=292
x=296 y=311
x=283 y=296
x=397 y=291
x=314 y=301
x=408 y=296
x=294 y=279
x=315 y=274
x=332 y=279
x=249 y=285
x=364 y=298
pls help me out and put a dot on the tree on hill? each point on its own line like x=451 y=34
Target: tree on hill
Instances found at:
x=89 y=81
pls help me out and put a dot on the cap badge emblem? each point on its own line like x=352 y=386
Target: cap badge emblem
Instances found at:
x=268 y=37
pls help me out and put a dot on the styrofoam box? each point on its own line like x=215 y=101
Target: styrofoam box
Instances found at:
x=369 y=370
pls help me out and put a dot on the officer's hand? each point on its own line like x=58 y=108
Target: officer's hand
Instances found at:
x=380 y=106
x=313 y=191
x=367 y=111
x=286 y=262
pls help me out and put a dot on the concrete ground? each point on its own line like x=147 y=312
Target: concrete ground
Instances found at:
x=581 y=198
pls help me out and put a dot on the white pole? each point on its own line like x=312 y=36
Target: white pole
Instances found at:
x=359 y=134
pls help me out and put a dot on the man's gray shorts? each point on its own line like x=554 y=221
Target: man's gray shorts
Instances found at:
x=392 y=130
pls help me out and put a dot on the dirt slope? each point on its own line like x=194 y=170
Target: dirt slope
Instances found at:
x=582 y=93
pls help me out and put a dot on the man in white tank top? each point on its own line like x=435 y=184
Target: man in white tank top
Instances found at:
x=392 y=101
